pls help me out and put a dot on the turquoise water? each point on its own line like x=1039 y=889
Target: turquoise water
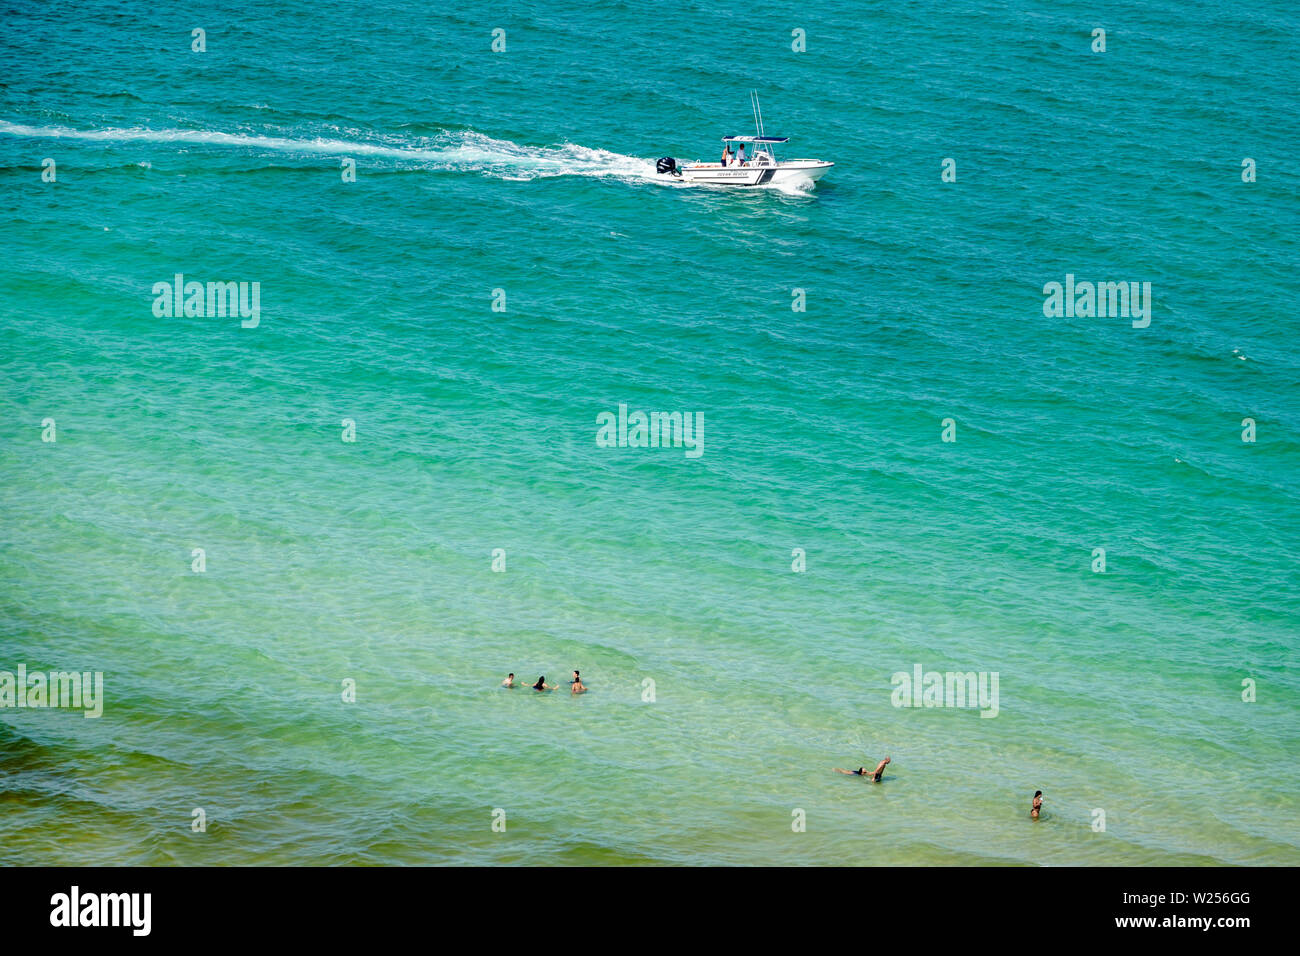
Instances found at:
x=531 y=171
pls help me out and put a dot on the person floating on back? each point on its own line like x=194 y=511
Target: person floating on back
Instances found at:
x=876 y=775
x=1038 y=805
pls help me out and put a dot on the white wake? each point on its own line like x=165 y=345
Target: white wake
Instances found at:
x=450 y=151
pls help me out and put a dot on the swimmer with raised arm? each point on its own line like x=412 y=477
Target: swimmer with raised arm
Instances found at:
x=876 y=775
x=1037 y=806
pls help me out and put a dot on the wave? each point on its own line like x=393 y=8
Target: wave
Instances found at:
x=447 y=151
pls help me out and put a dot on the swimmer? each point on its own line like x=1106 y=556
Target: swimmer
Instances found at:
x=876 y=775
x=509 y=681
x=578 y=686
x=542 y=685
x=1038 y=805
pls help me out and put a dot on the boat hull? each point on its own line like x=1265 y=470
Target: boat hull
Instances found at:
x=793 y=172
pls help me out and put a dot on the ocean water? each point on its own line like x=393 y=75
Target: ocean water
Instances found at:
x=531 y=171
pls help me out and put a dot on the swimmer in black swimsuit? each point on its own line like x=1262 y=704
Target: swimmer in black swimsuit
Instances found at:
x=876 y=775
x=1038 y=805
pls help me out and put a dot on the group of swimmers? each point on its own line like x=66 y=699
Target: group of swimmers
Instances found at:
x=575 y=682
x=878 y=775
x=875 y=776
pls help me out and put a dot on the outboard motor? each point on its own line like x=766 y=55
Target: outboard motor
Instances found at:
x=666 y=164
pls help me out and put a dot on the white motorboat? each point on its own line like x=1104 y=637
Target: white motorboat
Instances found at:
x=762 y=168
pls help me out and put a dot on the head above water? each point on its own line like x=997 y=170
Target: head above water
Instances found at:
x=1037 y=794
x=541 y=682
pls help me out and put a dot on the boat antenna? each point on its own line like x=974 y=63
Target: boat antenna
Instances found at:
x=758 y=112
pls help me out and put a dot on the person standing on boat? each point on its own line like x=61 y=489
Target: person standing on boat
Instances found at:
x=740 y=155
x=726 y=154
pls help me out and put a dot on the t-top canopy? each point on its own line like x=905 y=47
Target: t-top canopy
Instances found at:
x=755 y=139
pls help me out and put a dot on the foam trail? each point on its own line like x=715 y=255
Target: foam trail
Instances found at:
x=451 y=151
x=467 y=152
